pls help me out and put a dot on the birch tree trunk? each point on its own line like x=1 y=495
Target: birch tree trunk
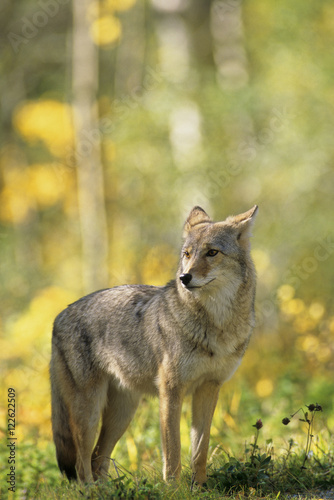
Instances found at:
x=88 y=151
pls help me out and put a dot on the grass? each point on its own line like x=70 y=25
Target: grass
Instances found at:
x=261 y=476
x=301 y=470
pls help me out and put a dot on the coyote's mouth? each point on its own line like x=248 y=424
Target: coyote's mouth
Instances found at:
x=198 y=286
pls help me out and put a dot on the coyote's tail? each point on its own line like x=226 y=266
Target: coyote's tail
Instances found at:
x=62 y=435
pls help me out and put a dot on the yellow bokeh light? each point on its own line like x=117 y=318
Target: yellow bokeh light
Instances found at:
x=264 y=387
x=44 y=185
x=261 y=260
x=324 y=354
x=235 y=402
x=285 y=293
x=27 y=352
x=293 y=307
x=184 y=429
x=14 y=207
x=303 y=324
x=229 y=421
x=310 y=343
x=106 y=30
x=34 y=325
x=46 y=120
x=133 y=452
x=27 y=188
x=331 y=325
x=158 y=265
x=316 y=311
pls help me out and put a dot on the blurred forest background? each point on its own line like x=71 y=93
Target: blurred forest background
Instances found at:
x=118 y=116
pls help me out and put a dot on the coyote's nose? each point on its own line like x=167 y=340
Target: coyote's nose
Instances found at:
x=186 y=278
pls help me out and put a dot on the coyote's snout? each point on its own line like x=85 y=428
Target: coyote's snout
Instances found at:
x=189 y=336
x=186 y=278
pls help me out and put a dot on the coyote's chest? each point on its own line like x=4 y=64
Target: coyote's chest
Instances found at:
x=215 y=367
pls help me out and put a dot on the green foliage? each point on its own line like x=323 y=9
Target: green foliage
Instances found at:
x=269 y=476
x=236 y=475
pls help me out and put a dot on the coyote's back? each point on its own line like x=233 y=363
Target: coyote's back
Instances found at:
x=189 y=336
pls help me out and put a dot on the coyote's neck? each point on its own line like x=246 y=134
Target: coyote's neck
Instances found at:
x=219 y=305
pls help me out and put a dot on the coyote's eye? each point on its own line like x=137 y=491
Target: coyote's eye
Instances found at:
x=211 y=253
x=186 y=254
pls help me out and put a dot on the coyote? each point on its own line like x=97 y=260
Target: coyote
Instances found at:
x=186 y=337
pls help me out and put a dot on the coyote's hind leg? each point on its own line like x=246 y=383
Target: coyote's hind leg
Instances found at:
x=118 y=412
x=85 y=413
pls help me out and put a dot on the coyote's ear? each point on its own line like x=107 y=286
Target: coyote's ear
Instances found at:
x=243 y=225
x=196 y=216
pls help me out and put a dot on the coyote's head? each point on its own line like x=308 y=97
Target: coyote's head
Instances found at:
x=215 y=254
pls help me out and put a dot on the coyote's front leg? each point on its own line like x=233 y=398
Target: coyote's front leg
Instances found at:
x=170 y=415
x=203 y=406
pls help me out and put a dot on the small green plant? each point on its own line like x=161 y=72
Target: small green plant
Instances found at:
x=251 y=473
x=260 y=474
x=258 y=425
x=309 y=417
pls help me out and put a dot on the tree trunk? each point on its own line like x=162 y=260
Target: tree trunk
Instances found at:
x=88 y=151
x=228 y=42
